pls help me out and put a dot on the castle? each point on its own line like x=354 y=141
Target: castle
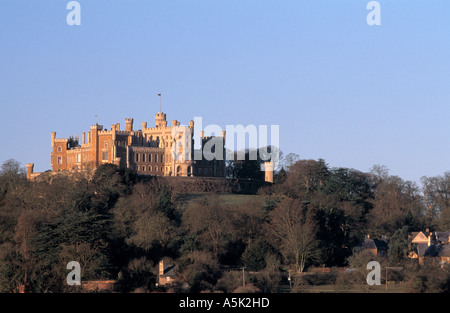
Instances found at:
x=151 y=151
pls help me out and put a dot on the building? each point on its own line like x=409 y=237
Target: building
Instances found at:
x=167 y=273
x=377 y=247
x=162 y=150
x=430 y=244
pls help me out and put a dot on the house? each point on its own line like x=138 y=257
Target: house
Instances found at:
x=376 y=246
x=167 y=273
x=430 y=244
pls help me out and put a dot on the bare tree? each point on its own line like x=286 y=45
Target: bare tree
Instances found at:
x=292 y=230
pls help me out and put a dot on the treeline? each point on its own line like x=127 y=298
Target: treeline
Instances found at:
x=119 y=228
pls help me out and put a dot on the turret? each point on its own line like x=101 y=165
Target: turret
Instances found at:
x=160 y=119
x=30 y=170
x=129 y=124
x=53 y=138
x=268 y=168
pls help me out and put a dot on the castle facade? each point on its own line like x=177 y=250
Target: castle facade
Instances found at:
x=162 y=150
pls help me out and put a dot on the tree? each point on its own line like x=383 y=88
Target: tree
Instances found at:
x=393 y=199
x=199 y=269
x=12 y=176
x=165 y=205
x=110 y=183
x=436 y=192
x=71 y=236
x=210 y=222
x=152 y=228
x=290 y=160
x=305 y=177
x=292 y=230
x=398 y=246
x=139 y=273
x=255 y=255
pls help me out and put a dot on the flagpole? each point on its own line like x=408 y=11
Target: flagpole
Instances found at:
x=160 y=101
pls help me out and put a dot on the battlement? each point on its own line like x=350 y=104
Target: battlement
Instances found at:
x=97 y=127
x=129 y=124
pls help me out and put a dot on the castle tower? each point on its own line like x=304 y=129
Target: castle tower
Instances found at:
x=129 y=124
x=30 y=170
x=160 y=120
x=268 y=168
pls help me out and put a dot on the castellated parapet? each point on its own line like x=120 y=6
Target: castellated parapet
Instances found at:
x=148 y=151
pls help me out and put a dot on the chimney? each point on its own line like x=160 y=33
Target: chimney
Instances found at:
x=83 y=138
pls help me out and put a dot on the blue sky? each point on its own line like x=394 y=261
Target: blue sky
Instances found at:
x=353 y=94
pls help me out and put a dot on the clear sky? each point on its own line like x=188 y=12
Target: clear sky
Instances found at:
x=353 y=94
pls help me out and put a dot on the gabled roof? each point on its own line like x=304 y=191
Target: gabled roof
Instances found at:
x=420 y=237
x=370 y=243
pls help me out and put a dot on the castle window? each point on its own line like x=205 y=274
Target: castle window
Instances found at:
x=162 y=170
x=156 y=168
x=106 y=145
x=143 y=168
x=105 y=156
x=137 y=157
x=59 y=160
x=59 y=149
x=143 y=158
x=149 y=157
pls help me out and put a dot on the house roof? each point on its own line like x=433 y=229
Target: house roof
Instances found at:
x=421 y=249
x=442 y=236
x=169 y=271
x=370 y=243
x=421 y=236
